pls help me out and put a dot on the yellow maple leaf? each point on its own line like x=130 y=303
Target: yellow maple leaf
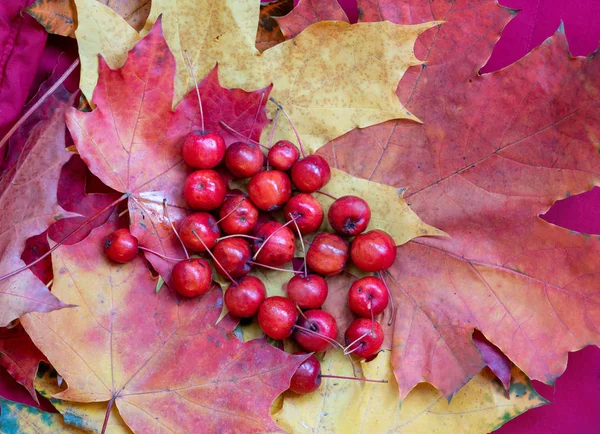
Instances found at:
x=331 y=78
x=89 y=416
x=101 y=31
x=343 y=406
x=212 y=31
x=389 y=210
x=335 y=77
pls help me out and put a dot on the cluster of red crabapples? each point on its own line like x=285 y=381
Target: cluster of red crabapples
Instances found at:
x=238 y=233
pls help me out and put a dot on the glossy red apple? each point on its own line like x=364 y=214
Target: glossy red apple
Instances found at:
x=203 y=150
x=283 y=155
x=192 y=277
x=270 y=190
x=311 y=173
x=277 y=316
x=232 y=254
x=205 y=226
x=245 y=297
x=238 y=215
x=204 y=190
x=307 y=210
x=278 y=243
x=244 y=159
x=373 y=251
x=327 y=254
x=349 y=215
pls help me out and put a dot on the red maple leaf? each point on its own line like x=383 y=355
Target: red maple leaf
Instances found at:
x=20 y=357
x=495 y=152
x=28 y=181
x=132 y=140
x=72 y=196
x=307 y=12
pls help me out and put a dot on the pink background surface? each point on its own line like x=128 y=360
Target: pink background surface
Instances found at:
x=575 y=397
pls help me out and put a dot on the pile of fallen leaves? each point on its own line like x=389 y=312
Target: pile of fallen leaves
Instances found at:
x=456 y=166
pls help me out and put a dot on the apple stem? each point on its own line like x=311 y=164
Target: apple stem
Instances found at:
x=191 y=68
x=248 y=139
x=34 y=107
x=262 y=97
x=272 y=134
x=292 y=124
x=390 y=296
x=325 y=338
x=258 y=264
x=232 y=211
x=61 y=242
x=301 y=313
x=327 y=194
x=213 y=257
x=240 y=236
x=302 y=242
x=357 y=340
x=341 y=377
x=166 y=211
x=107 y=416
x=159 y=255
x=273 y=128
x=269 y=237
x=347 y=353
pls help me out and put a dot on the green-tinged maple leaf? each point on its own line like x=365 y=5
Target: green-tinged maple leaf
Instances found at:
x=87 y=416
x=152 y=353
x=16 y=418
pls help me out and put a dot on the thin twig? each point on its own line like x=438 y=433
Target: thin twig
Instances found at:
x=34 y=107
x=166 y=211
x=191 y=68
x=292 y=124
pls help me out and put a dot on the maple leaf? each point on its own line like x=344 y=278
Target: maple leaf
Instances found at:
x=72 y=196
x=351 y=406
x=20 y=357
x=324 y=105
x=60 y=16
x=28 y=182
x=308 y=12
x=133 y=125
x=495 y=152
x=88 y=416
x=269 y=34
x=329 y=94
x=150 y=353
x=495 y=359
x=389 y=210
x=23 y=419
x=212 y=31
x=95 y=21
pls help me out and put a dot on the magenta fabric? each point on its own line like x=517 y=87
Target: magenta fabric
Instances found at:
x=575 y=397
x=22 y=42
x=538 y=20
